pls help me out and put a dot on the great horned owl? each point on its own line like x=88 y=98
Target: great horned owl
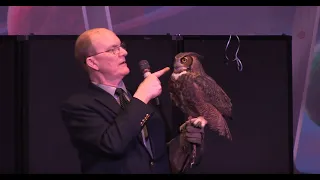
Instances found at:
x=197 y=94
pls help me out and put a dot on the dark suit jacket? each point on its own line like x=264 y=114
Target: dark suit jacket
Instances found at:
x=108 y=139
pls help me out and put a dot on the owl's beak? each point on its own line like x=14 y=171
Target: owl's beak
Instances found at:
x=178 y=69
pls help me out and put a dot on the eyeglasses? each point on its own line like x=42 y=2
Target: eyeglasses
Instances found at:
x=115 y=50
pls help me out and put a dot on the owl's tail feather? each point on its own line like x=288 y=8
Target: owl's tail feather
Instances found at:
x=216 y=121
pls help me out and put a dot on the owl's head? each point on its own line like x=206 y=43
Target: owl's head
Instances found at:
x=188 y=62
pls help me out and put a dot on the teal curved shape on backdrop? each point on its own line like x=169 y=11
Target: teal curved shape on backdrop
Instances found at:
x=313 y=90
x=308 y=153
x=315 y=62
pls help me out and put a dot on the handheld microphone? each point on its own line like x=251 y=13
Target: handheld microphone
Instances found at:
x=145 y=69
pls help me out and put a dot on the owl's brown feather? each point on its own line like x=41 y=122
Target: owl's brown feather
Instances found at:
x=193 y=94
x=197 y=94
x=214 y=95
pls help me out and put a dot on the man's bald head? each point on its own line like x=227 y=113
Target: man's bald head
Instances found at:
x=85 y=44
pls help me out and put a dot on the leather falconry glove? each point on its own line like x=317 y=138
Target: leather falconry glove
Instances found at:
x=189 y=148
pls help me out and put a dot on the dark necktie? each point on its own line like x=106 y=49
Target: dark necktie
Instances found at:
x=124 y=102
x=122 y=98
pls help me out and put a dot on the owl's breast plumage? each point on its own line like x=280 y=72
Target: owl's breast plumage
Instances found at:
x=182 y=91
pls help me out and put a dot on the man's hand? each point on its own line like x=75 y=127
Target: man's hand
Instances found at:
x=150 y=87
x=193 y=130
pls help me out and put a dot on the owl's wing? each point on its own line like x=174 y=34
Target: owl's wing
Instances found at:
x=214 y=94
x=201 y=97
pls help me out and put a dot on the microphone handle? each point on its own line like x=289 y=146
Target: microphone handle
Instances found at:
x=157 y=101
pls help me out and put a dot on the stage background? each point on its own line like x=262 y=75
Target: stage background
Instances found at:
x=151 y=20
x=260 y=104
x=261 y=122
x=53 y=78
x=7 y=103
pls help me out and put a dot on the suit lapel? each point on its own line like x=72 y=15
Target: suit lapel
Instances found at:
x=140 y=138
x=104 y=98
x=151 y=126
x=111 y=103
x=154 y=132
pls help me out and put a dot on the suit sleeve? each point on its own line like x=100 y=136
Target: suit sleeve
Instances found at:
x=97 y=133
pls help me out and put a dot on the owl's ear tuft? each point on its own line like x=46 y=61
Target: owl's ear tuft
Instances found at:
x=200 y=57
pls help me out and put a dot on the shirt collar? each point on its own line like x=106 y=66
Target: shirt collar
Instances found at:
x=112 y=89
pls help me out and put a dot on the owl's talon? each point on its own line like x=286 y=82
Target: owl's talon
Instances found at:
x=198 y=125
x=199 y=122
x=183 y=127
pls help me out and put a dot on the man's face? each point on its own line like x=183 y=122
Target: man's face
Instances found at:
x=110 y=56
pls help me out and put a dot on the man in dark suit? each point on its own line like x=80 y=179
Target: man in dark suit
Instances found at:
x=113 y=130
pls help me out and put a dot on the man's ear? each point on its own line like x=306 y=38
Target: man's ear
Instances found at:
x=92 y=63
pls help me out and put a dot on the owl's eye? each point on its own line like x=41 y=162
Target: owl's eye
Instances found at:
x=184 y=60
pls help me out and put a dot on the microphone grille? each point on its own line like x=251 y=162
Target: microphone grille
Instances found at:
x=144 y=64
